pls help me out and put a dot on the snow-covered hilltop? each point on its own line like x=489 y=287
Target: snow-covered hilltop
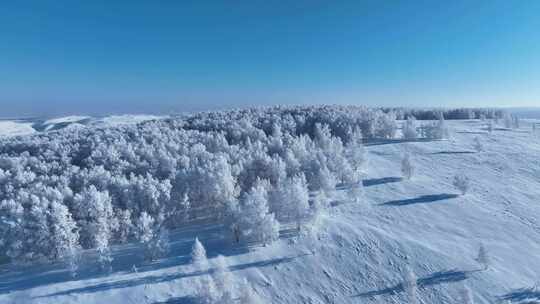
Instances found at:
x=326 y=204
x=17 y=127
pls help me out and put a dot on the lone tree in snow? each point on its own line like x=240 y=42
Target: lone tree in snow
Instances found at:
x=483 y=257
x=462 y=183
x=356 y=192
x=466 y=295
x=409 y=128
x=407 y=168
x=410 y=286
x=198 y=255
x=478 y=145
x=515 y=122
x=508 y=121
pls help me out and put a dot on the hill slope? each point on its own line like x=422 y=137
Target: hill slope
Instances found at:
x=357 y=252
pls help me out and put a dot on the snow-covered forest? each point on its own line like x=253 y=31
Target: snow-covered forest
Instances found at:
x=256 y=173
x=250 y=169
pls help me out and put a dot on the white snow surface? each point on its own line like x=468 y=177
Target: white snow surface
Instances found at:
x=357 y=252
x=31 y=126
x=15 y=128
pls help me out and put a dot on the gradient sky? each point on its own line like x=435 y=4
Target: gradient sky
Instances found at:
x=98 y=57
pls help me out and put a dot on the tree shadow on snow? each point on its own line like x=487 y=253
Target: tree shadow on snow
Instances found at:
x=530 y=295
x=436 y=278
x=471 y=132
x=424 y=199
x=155 y=279
x=453 y=152
x=378 y=142
x=14 y=278
x=380 y=181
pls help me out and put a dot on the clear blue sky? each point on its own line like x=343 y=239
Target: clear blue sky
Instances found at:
x=96 y=57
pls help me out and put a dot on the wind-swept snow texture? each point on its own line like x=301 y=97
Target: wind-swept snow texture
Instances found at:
x=355 y=252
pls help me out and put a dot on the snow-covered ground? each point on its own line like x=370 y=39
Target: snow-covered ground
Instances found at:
x=30 y=126
x=14 y=128
x=357 y=252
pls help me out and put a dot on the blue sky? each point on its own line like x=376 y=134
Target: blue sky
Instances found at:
x=98 y=57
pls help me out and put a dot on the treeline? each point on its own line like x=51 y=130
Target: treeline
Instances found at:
x=251 y=169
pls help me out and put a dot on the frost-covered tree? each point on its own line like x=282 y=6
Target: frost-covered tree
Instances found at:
x=356 y=153
x=198 y=255
x=410 y=286
x=255 y=220
x=483 y=257
x=290 y=201
x=158 y=245
x=386 y=125
x=95 y=213
x=355 y=193
x=436 y=130
x=478 y=144
x=64 y=235
x=409 y=128
x=153 y=235
x=515 y=122
x=325 y=181
x=224 y=280
x=319 y=205
x=407 y=168
x=462 y=183
x=490 y=126
x=508 y=121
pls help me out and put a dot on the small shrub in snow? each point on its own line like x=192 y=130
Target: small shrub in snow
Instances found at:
x=462 y=183
x=407 y=168
x=410 y=286
x=478 y=144
x=198 y=255
x=466 y=295
x=247 y=294
x=483 y=257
